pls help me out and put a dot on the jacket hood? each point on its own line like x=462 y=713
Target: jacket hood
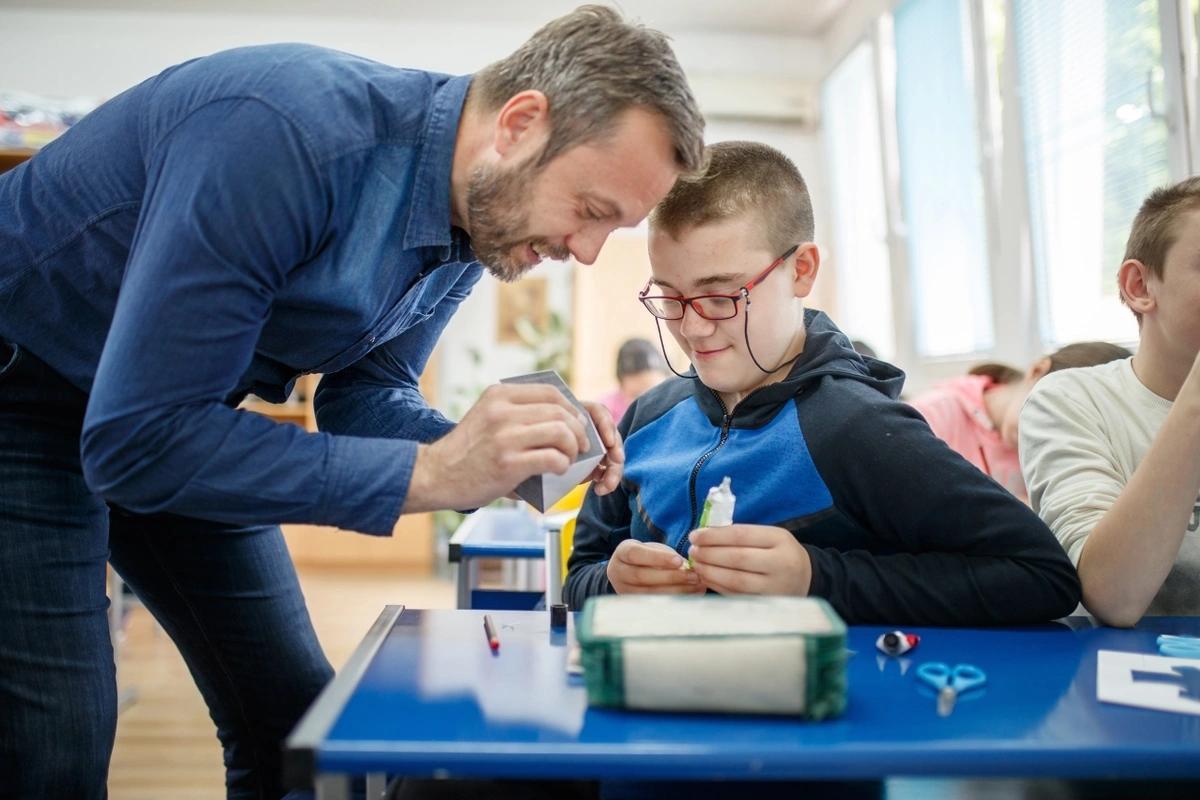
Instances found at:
x=827 y=351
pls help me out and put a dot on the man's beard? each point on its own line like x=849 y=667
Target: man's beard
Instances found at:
x=497 y=210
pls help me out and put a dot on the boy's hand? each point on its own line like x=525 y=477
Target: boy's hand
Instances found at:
x=650 y=568
x=607 y=475
x=751 y=559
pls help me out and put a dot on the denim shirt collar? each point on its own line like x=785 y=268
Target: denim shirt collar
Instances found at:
x=428 y=222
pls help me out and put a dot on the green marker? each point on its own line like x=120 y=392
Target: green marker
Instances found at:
x=718 y=509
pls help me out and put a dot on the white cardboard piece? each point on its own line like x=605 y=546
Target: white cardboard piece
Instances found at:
x=543 y=491
x=1133 y=679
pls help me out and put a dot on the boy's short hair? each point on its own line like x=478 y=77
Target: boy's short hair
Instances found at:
x=742 y=177
x=1071 y=356
x=1086 y=354
x=1155 y=228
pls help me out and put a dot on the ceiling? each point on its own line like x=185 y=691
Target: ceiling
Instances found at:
x=778 y=17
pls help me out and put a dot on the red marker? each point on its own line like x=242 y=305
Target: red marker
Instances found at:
x=489 y=630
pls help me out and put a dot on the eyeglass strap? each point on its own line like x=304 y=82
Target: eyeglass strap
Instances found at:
x=746 y=334
x=667 y=358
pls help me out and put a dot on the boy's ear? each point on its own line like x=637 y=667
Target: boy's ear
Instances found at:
x=806 y=262
x=1040 y=369
x=1132 y=280
x=522 y=125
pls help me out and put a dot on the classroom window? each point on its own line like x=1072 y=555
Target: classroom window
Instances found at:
x=941 y=185
x=850 y=104
x=1096 y=142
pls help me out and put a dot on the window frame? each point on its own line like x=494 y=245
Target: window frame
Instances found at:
x=1016 y=301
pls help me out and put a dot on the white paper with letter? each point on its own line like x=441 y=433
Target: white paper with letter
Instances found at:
x=1148 y=681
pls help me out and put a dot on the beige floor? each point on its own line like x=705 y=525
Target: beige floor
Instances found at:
x=166 y=744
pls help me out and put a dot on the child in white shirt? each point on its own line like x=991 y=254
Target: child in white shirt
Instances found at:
x=1111 y=454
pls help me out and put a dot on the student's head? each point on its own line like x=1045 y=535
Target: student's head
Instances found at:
x=715 y=233
x=1020 y=384
x=640 y=367
x=594 y=121
x=1159 y=278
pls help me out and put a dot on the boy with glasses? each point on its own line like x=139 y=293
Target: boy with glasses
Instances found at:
x=842 y=490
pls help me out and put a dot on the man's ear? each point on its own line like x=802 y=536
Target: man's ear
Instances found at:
x=1133 y=279
x=522 y=125
x=806 y=262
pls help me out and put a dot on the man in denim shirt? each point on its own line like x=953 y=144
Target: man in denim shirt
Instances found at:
x=222 y=228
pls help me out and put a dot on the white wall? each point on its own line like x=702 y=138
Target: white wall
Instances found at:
x=99 y=52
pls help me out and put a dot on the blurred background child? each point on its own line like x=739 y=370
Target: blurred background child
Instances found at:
x=977 y=414
x=639 y=367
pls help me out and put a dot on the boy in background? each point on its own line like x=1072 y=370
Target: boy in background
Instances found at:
x=1111 y=454
x=640 y=368
x=842 y=491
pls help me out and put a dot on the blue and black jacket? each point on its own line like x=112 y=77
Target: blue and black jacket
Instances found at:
x=899 y=528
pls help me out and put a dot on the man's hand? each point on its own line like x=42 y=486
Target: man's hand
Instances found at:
x=751 y=559
x=650 y=568
x=512 y=432
x=607 y=475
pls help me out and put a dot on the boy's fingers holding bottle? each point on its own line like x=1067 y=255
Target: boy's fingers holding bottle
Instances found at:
x=738 y=536
x=650 y=554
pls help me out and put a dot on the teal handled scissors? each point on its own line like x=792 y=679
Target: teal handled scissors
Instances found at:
x=950 y=682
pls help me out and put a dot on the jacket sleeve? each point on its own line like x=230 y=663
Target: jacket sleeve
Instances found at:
x=233 y=202
x=954 y=548
x=603 y=523
x=380 y=395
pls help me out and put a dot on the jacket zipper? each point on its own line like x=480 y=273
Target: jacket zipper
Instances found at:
x=726 y=420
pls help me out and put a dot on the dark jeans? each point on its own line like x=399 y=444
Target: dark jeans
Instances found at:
x=227 y=596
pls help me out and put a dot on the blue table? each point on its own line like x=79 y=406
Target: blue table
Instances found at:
x=495 y=533
x=423 y=695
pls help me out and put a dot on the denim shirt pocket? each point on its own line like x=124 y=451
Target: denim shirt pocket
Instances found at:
x=369 y=342
x=10 y=354
x=348 y=356
x=409 y=320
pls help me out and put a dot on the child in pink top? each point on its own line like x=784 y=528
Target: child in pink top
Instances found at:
x=640 y=367
x=977 y=413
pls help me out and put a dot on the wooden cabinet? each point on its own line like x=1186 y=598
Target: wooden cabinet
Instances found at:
x=9 y=158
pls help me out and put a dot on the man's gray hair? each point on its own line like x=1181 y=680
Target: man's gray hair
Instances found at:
x=592 y=65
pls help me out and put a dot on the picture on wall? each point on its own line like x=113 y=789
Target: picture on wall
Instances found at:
x=524 y=299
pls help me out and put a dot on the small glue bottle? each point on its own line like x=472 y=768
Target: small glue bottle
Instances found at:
x=718 y=508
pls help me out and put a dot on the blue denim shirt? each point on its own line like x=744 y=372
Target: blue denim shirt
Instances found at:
x=222 y=228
